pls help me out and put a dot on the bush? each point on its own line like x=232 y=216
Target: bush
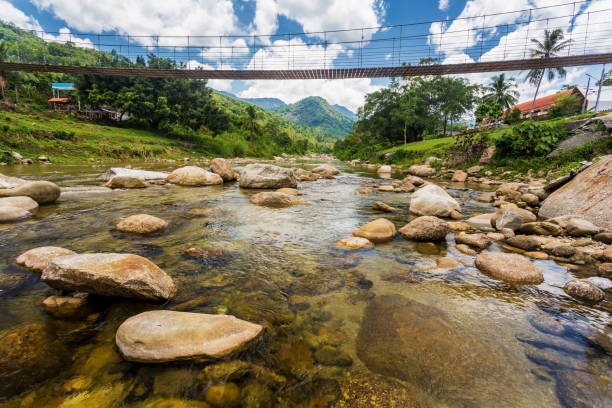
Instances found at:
x=530 y=139
x=565 y=105
x=512 y=117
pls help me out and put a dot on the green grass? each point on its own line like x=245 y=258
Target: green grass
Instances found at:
x=68 y=140
x=417 y=152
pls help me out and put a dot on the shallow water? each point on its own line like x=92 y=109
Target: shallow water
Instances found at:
x=485 y=344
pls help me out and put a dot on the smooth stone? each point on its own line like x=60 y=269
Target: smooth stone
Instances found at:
x=526 y=242
x=575 y=226
x=379 y=230
x=223 y=168
x=474 y=240
x=224 y=371
x=266 y=176
x=482 y=221
x=380 y=206
x=511 y=268
x=193 y=176
x=447 y=263
x=527 y=215
x=13 y=214
x=23 y=202
x=140 y=174
x=605 y=237
x=589 y=194
x=223 y=395
x=10 y=182
x=507 y=219
x=287 y=190
x=126 y=182
x=541 y=228
x=37 y=259
x=421 y=171
x=433 y=200
x=414 y=180
x=530 y=199
x=162 y=335
x=356 y=243
x=141 y=224
x=425 y=228
x=465 y=249
x=563 y=250
x=585 y=290
x=110 y=274
x=304 y=175
x=459 y=176
x=42 y=192
x=604 y=284
x=365 y=190
x=386 y=187
x=275 y=199
x=68 y=307
x=536 y=254
x=326 y=171
x=384 y=169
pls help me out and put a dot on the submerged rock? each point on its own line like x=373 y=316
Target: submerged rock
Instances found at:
x=109 y=274
x=290 y=191
x=585 y=290
x=433 y=200
x=423 y=346
x=379 y=230
x=23 y=202
x=223 y=168
x=380 y=206
x=68 y=307
x=266 y=176
x=511 y=268
x=326 y=171
x=38 y=259
x=193 y=176
x=141 y=224
x=126 y=182
x=162 y=336
x=276 y=199
x=42 y=192
x=425 y=228
x=474 y=240
x=356 y=243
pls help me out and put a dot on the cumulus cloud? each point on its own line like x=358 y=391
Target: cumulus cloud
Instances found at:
x=443 y=5
x=346 y=92
x=11 y=14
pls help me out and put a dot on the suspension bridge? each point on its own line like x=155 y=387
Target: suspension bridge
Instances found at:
x=485 y=43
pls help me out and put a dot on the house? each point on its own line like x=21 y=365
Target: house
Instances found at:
x=543 y=104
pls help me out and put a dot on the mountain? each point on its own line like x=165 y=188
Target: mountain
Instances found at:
x=346 y=112
x=269 y=104
x=316 y=112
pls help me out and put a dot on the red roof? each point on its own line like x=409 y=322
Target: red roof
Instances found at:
x=58 y=100
x=542 y=103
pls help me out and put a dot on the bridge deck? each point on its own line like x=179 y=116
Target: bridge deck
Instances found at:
x=333 y=73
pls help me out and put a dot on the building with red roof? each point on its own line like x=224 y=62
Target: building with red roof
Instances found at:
x=543 y=104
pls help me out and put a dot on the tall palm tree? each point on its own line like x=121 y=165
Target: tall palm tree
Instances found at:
x=552 y=45
x=501 y=91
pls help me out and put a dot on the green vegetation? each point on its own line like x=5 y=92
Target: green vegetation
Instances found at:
x=501 y=91
x=315 y=112
x=530 y=139
x=565 y=105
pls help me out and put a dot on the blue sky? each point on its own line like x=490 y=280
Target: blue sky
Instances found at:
x=252 y=17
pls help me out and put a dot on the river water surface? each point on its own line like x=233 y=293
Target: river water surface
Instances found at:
x=377 y=327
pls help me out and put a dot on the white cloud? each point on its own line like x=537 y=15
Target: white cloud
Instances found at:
x=11 y=14
x=282 y=54
x=443 y=5
x=65 y=36
x=346 y=92
x=152 y=17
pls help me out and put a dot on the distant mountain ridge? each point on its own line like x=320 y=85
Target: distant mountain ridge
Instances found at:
x=313 y=111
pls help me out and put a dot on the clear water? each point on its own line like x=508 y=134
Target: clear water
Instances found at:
x=511 y=347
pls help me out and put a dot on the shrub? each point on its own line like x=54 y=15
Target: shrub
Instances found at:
x=530 y=139
x=513 y=116
x=565 y=105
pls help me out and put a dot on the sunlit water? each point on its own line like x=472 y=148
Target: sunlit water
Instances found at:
x=499 y=345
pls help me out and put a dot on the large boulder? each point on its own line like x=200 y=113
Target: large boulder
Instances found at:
x=13 y=214
x=511 y=268
x=41 y=191
x=459 y=176
x=223 y=168
x=575 y=226
x=540 y=228
x=141 y=224
x=162 y=335
x=584 y=290
x=481 y=221
x=10 y=182
x=304 y=175
x=326 y=171
x=379 y=230
x=276 y=199
x=126 y=182
x=23 y=202
x=193 y=176
x=110 y=274
x=433 y=200
x=266 y=176
x=37 y=259
x=589 y=194
x=421 y=171
x=425 y=228
x=432 y=351
x=527 y=216
x=140 y=174
x=507 y=219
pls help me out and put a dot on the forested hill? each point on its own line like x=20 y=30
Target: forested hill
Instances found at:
x=314 y=111
x=346 y=112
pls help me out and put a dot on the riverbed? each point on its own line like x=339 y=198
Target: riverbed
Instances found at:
x=395 y=329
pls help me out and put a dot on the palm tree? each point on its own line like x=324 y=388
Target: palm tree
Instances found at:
x=553 y=43
x=500 y=91
x=3 y=57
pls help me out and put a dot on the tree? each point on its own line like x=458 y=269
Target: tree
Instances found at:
x=501 y=91
x=252 y=115
x=3 y=57
x=553 y=43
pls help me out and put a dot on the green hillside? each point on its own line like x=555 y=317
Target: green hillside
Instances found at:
x=269 y=104
x=346 y=112
x=314 y=111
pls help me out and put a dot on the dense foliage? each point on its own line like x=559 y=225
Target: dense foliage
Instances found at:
x=565 y=105
x=488 y=111
x=530 y=139
x=405 y=112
